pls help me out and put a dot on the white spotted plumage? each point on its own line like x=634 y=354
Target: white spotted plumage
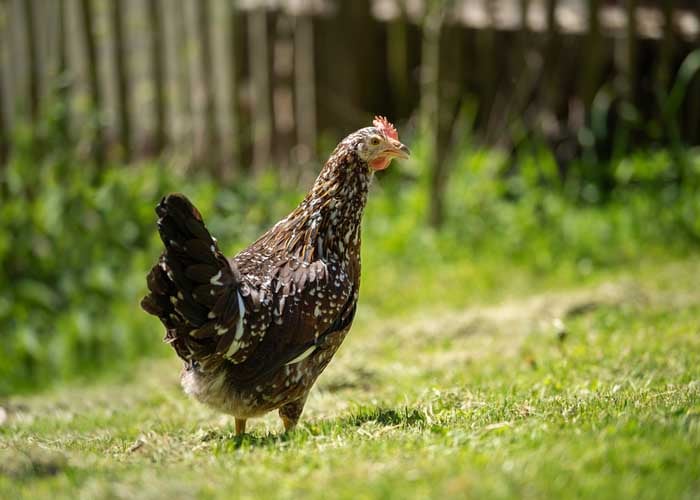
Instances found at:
x=271 y=318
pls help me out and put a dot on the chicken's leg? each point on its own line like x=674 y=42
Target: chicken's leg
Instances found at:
x=291 y=412
x=240 y=426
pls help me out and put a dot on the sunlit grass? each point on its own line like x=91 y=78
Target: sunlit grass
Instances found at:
x=499 y=401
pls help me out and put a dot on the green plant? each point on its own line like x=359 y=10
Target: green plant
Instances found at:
x=75 y=247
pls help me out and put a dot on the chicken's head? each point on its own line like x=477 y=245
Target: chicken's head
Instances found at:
x=379 y=144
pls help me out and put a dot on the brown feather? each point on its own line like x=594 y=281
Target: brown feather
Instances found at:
x=256 y=330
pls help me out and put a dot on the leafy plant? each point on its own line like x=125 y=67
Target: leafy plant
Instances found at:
x=75 y=248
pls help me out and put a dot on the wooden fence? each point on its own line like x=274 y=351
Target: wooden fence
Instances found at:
x=237 y=86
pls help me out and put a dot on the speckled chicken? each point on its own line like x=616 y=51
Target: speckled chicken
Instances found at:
x=257 y=330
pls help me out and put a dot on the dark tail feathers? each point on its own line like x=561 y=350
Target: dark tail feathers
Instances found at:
x=192 y=287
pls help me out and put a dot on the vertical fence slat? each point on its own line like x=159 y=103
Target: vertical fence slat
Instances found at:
x=694 y=106
x=16 y=84
x=552 y=65
x=631 y=50
x=397 y=59
x=4 y=135
x=4 y=139
x=430 y=105
x=90 y=45
x=209 y=141
x=524 y=17
x=590 y=76
x=665 y=65
x=305 y=87
x=450 y=80
x=180 y=35
x=33 y=72
x=485 y=48
x=64 y=80
x=552 y=26
x=260 y=77
x=157 y=73
x=235 y=70
x=117 y=13
x=523 y=69
x=282 y=74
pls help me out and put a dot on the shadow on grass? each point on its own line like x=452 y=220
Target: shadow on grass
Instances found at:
x=405 y=416
x=226 y=440
x=376 y=416
x=31 y=462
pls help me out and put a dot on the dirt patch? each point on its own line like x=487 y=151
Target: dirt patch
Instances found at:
x=519 y=316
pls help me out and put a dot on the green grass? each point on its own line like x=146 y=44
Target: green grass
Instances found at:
x=591 y=391
x=544 y=343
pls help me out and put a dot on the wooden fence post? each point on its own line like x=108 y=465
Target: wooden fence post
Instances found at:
x=33 y=75
x=524 y=71
x=591 y=73
x=209 y=143
x=179 y=37
x=235 y=71
x=63 y=80
x=117 y=14
x=305 y=88
x=631 y=51
x=664 y=68
x=260 y=77
x=552 y=99
x=694 y=107
x=158 y=72
x=4 y=135
x=524 y=17
x=90 y=44
x=552 y=25
x=397 y=59
x=282 y=74
x=485 y=44
x=430 y=108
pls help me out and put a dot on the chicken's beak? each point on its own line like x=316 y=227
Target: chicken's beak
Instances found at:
x=393 y=149
x=396 y=149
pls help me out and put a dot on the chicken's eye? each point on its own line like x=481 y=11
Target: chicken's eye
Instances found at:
x=374 y=141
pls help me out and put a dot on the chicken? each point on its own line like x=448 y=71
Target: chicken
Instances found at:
x=257 y=330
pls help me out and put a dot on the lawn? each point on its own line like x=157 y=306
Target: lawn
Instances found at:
x=588 y=390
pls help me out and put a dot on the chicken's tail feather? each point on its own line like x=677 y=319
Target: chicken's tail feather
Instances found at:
x=192 y=286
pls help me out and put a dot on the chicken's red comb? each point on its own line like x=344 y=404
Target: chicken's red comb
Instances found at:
x=386 y=127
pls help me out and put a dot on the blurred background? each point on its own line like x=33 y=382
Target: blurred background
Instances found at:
x=554 y=141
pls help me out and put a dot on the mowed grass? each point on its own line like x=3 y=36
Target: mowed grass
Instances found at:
x=584 y=392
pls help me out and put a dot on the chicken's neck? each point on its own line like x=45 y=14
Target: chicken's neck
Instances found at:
x=326 y=224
